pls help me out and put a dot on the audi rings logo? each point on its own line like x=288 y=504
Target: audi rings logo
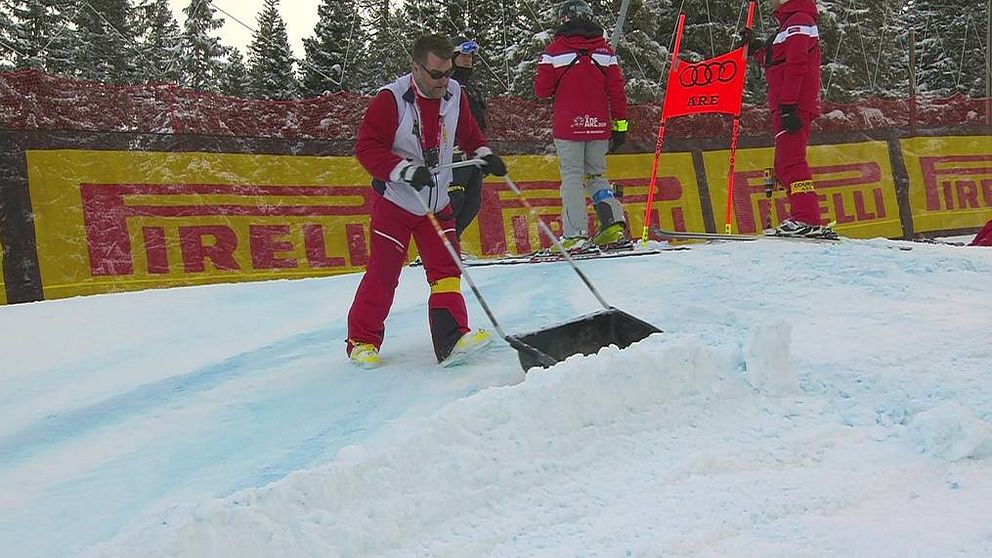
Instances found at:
x=698 y=75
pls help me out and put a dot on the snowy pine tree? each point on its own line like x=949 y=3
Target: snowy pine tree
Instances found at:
x=388 y=48
x=951 y=47
x=270 y=59
x=202 y=59
x=335 y=50
x=41 y=35
x=7 y=52
x=531 y=30
x=643 y=59
x=160 y=44
x=234 y=79
x=419 y=17
x=848 y=33
x=106 y=45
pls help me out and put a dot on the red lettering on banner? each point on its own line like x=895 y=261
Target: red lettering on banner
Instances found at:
x=521 y=234
x=678 y=218
x=948 y=198
x=744 y=190
x=967 y=194
x=220 y=251
x=264 y=246
x=749 y=185
x=879 y=202
x=841 y=215
x=156 y=250
x=861 y=214
x=935 y=169
x=316 y=248
x=106 y=215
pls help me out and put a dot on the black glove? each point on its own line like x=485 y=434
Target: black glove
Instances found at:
x=790 y=118
x=417 y=176
x=748 y=38
x=618 y=139
x=494 y=165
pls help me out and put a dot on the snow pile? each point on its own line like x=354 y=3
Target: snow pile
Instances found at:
x=766 y=356
x=498 y=449
x=951 y=431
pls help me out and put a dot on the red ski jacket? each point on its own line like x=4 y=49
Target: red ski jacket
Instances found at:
x=580 y=70
x=792 y=58
x=984 y=236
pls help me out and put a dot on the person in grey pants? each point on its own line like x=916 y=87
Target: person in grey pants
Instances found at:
x=580 y=72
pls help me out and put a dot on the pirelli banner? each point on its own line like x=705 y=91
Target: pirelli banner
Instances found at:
x=96 y=213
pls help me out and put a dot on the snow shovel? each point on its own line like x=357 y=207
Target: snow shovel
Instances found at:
x=584 y=335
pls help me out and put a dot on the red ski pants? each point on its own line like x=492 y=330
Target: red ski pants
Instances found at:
x=390 y=233
x=792 y=169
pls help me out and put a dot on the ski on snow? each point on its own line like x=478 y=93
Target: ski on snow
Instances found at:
x=548 y=255
x=679 y=235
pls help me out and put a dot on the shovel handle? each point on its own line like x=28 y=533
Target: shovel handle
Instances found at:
x=458 y=164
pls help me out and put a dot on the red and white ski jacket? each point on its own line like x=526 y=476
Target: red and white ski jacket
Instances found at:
x=792 y=65
x=400 y=126
x=580 y=70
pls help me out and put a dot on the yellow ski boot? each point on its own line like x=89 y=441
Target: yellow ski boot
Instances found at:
x=611 y=235
x=470 y=344
x=365 y=355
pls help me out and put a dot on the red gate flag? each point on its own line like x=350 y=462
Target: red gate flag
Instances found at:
x=714 y=85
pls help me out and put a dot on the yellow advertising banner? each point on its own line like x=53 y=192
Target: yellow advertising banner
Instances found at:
x=127 y=220
x=854 y=183
x=504 y=225
x=109 y=221
x=950 y=181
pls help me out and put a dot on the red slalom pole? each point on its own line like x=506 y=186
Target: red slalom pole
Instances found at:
x=661 y=136
x=728 y=228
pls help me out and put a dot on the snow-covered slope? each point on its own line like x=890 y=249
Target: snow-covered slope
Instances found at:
x=804 y=400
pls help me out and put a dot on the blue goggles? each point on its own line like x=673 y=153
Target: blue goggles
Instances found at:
x=468 y=47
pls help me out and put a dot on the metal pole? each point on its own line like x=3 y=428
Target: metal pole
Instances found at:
x=912 y=81
x=618 y=28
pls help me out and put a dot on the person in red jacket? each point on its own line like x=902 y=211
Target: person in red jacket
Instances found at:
x=580 y=71
x=984 y=236
x=791 y=58
x=409 y=129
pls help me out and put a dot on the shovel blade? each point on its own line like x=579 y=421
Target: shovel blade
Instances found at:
x=585 y=335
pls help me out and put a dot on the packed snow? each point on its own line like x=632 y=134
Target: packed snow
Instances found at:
x=804 y=400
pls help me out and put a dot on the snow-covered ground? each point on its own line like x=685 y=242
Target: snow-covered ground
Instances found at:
x=804 y=400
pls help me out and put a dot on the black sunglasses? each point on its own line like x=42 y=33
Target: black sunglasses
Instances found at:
x=436 y=74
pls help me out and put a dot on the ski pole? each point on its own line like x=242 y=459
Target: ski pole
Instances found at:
x=547 y=231
x=769 y=190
